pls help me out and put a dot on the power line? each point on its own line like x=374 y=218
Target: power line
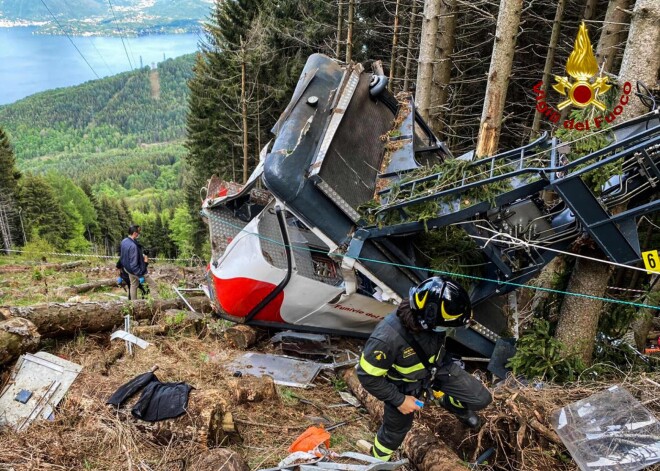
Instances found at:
x=70 y=40
x=101 y=56
x=120 y=35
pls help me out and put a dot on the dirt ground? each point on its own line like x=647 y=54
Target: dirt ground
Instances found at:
x=88 y=434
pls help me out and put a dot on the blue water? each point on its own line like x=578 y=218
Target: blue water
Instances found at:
x=31 y=63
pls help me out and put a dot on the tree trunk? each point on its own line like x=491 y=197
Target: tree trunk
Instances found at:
x=549 y=59
x=252 y=389
x=501 y=62
x=427 y=45
x=43 y=266
x=340 y=26
x=409 y=47
x=641 y=59
x=443 y=65
x=643 y=322
x=65 y=319
x=590 y=9
x=17 y=336
x=349 y=32
x=244 y=114
x=85 y=287
x=422 y=448
x=241 y=336
x=395 y=43
x=611 y=35
x=578 y=321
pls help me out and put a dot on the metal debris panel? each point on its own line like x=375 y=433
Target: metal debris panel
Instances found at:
x=284 y=370
x=45 y=378
x=610 y=430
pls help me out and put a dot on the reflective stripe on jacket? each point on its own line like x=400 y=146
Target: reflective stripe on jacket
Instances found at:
x=388 y=365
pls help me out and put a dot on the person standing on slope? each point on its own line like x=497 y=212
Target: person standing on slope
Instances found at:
x=404 y=363
x=133 y=260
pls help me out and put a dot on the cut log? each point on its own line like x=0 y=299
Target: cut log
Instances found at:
x=17 y=336
x=51 y=266
x=224 y=459
x=184 y=321
x=423 y=449
x=241 y=336
x=145 y=331
x=26 y=325
x=207 y=421
x=252 y=389
x=85 y=287
x=63 y=319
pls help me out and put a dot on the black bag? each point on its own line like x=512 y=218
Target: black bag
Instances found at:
x=161 y=401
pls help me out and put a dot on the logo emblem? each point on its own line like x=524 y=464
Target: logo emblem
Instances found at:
x=380 y=355
x=420 y=302
x=582 y=66
x=446 y=315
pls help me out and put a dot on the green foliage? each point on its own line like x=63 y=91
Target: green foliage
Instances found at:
x=539 y=355
x=116 y=112
x=37 y=274
x=176 y=319
x=339 y=384
x=35 y=248
x=181 y=228
x=9 y=175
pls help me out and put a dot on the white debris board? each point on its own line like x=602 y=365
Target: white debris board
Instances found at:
x=47 y=377
x=285 y=371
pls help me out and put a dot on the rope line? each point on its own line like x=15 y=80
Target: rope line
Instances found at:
x=442 y=272
x=88 y=255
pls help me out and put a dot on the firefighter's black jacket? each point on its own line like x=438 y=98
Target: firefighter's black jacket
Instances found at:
x=389 y=365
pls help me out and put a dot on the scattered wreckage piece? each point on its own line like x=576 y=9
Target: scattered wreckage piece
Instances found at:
x=123 y=335
x=36 y=386
x=609 y=430
x=307 y=461
x=423 y=449
x=285 y=371
x=314 y=346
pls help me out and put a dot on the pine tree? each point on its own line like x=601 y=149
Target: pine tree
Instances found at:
x=9 y=175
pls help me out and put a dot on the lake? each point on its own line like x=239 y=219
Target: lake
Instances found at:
x=31 y=63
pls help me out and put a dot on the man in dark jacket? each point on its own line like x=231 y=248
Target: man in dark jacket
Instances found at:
x=133 y=260
x=391 y=369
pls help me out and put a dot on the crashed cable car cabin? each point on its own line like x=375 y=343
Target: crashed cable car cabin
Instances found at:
x=298 y=252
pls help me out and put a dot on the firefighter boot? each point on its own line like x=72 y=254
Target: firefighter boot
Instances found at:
x=465 y=416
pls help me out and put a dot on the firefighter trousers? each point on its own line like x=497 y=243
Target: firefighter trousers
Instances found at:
x=462 y=389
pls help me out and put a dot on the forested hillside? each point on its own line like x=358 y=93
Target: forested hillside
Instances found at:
x=98 y=156
x=98 y=17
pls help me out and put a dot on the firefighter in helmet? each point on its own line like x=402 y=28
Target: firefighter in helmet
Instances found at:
x=404 y=362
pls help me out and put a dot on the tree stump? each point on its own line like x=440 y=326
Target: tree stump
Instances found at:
x=241 y=336
x=224 y=459
x=252 y=389
x=207 y=421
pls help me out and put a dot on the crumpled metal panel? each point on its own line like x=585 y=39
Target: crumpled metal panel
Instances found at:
x=47 y=377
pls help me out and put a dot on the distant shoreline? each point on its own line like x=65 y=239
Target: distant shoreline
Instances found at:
x=46 y=28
